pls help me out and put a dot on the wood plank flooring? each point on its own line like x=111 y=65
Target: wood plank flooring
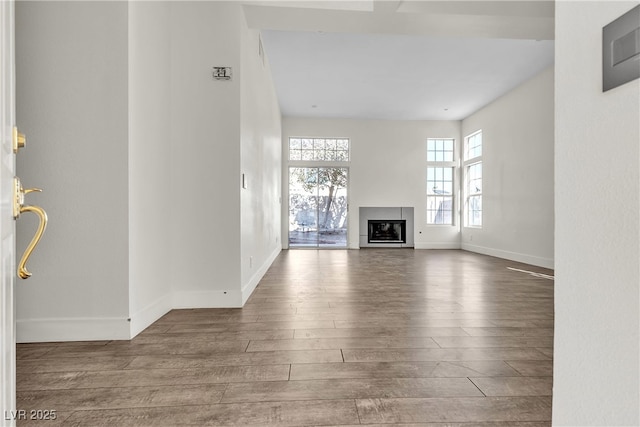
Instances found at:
x=329 y=338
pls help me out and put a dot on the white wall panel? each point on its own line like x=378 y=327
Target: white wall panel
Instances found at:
x=72 y=102
x=205 y=149
x=260 y=163
x=597 y=163
x=517 y=164
x=149 y=162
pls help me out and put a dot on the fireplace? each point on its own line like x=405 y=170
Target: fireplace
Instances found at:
x=387 y=231
x=385 y=227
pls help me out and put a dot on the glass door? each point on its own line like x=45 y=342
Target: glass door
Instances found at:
x=318 y=207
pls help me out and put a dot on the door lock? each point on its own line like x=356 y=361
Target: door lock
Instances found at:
x=19 y=140
x=18 y=208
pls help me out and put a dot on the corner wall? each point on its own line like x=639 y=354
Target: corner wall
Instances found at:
x=149 y=162
x=205 y=155
x=597 y=163
x=260 y=162
x=224 y=237
x=517 y=157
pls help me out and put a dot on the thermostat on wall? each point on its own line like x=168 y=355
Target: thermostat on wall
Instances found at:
x=621 y=50
x=222 y=73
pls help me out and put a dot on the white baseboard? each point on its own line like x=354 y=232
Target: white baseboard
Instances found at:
x=145 y=317
x=207 y=299
x=99 y=329
x=437 y=245
x=513 y=256
x=248 y=288
x=72 y=329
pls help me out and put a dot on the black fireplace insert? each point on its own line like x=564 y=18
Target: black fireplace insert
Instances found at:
x=387 y=231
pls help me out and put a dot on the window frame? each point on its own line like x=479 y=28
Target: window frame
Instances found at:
x=315 y=153
x=444 y=164
x=468 y=163
x=295 y=163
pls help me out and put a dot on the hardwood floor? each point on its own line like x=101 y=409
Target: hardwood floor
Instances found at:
x=376 y=336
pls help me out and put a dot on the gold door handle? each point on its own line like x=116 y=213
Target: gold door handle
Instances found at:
x=18 y=208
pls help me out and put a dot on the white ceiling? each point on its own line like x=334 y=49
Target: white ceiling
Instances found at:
x=401 y=60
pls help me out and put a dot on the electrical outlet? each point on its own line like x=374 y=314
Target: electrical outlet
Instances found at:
x=250 y=262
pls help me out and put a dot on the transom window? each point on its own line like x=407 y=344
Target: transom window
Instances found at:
x=440 y=150
x=319 y=149
x=474 y=145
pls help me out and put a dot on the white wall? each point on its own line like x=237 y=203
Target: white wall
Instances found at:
x=149 y=162
x=224 y=237
x=596 y=352
x=387 y=169
x=260 y=163
x=139 y=151
x=71 y=61
x=517 y=157
x=205 y=154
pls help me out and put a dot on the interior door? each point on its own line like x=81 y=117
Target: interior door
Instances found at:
x=7 y=223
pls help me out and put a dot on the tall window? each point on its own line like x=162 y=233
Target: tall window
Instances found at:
x=440 y=168
x=473 y=180
x=319 y=149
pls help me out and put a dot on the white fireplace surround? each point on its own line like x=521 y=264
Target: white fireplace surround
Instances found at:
x=386 y=213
